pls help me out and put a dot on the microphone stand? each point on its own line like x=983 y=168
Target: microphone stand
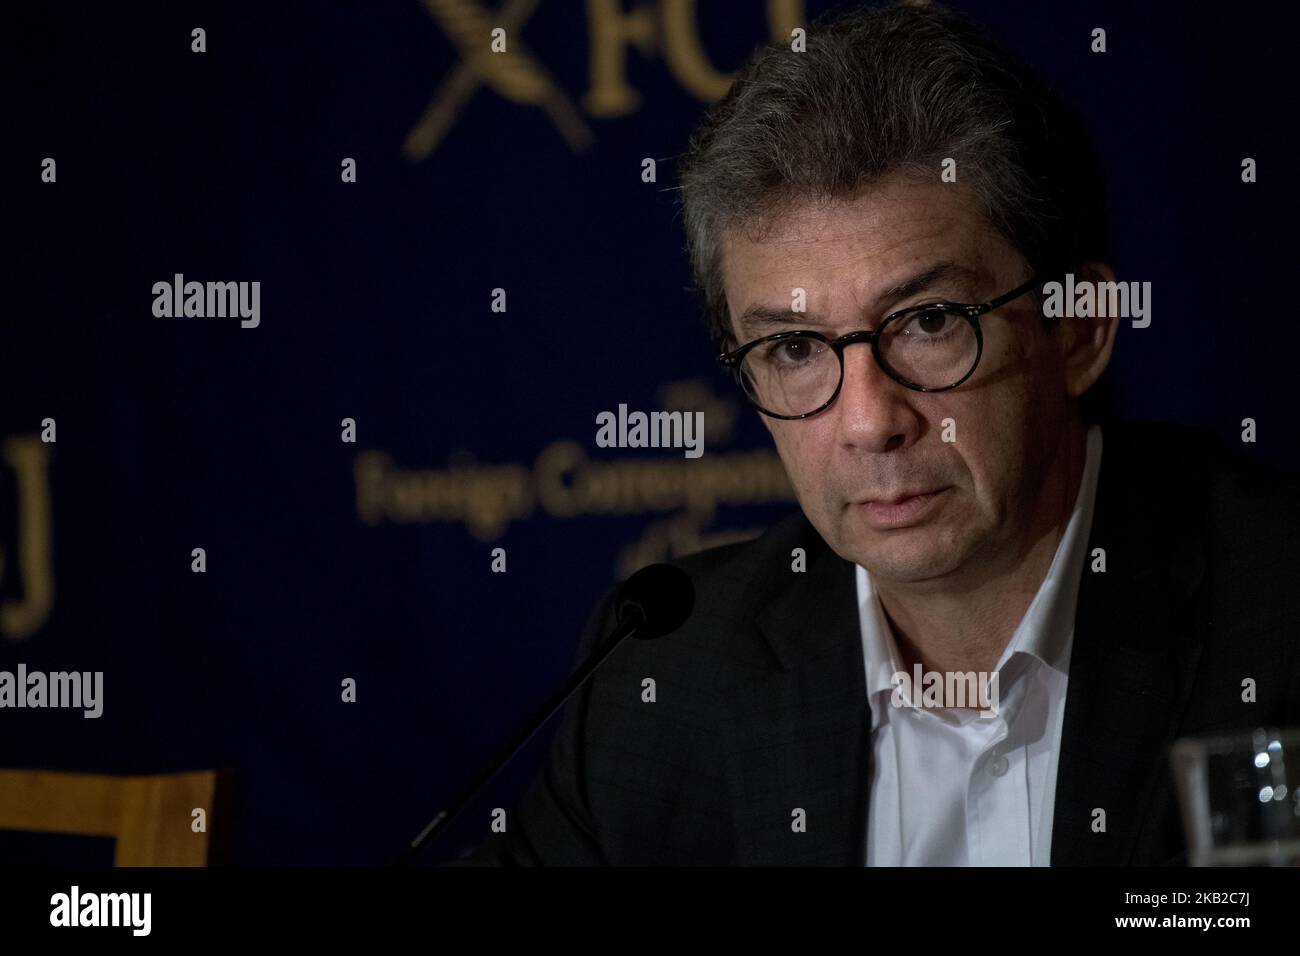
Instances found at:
x=635 y=615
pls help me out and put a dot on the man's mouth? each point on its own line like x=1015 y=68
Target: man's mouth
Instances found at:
x=900 y=510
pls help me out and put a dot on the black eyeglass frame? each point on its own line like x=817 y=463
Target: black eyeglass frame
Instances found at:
x=971 y=313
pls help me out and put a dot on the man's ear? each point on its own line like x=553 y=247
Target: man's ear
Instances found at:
x=1088 y=342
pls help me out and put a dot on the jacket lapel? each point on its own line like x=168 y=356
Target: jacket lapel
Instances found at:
x=799 y=739
x=1134 y=651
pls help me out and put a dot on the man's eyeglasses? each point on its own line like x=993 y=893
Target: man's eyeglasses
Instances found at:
x=928 y=348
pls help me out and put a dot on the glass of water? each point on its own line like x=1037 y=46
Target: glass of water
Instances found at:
x=1240 y=797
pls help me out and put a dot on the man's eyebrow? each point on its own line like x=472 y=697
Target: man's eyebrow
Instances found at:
x=921 y=281
x=760 y=315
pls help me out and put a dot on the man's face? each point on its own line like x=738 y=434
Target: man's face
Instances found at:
x=879 y=440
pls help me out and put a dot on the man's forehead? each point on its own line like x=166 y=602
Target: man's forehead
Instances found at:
x=874 y=251
x=881 y=222
x=868 y=244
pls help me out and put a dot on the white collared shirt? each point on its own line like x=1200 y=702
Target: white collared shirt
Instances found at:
x=949 y=787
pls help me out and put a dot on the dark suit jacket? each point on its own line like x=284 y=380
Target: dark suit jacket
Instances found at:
x=761 y=702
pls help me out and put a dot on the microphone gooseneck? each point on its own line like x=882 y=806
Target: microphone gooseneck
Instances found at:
x=654 y=601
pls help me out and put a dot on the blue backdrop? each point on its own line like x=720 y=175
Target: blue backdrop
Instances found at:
x=371 y=559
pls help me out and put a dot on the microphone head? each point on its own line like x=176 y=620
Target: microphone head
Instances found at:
x=661 y=595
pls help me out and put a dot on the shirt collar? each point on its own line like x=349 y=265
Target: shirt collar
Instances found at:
x=1047 y=629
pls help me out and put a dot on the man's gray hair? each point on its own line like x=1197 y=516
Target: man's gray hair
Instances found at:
x=882 y=91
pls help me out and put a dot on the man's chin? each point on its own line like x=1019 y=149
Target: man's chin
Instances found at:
x=906 y=556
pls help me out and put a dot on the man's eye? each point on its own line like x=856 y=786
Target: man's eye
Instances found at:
x=796 y=351
x=929 y=322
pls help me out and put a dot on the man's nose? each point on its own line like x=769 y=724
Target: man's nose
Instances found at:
x=875 y=412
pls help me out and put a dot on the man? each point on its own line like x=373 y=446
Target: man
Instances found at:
x=968 y=507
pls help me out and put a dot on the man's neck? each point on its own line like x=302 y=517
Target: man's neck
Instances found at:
x=966 y=621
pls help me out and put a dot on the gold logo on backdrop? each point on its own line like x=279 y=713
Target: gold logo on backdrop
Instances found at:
x=681 y=496
x=668 y=27
x=28 y=458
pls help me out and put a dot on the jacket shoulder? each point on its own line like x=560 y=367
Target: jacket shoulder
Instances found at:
x=735 y=580
x=1195 y=475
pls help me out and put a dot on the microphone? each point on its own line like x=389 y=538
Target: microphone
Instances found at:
x=661 y=596
x=653 y=602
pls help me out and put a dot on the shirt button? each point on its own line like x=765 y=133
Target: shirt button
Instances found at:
x=999 y=766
